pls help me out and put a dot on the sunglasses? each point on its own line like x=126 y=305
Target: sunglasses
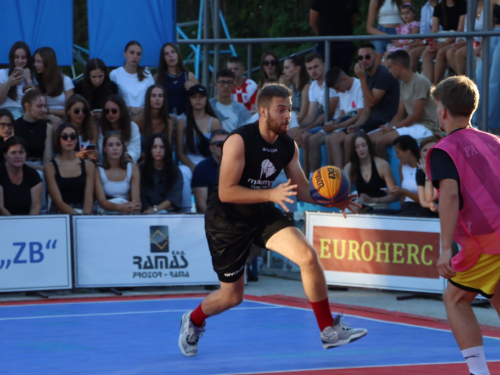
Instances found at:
x=366 y=57
x=71 y=136
x=78 y=110
x=113 y=111
x=217 y=143
x=269 y=62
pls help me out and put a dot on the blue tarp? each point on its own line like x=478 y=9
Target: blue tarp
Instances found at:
x=39 y=23
x=112 y=24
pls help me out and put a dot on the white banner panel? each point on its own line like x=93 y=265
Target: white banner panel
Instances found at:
x=147 y=250
x=382 y=252
x=35 y=253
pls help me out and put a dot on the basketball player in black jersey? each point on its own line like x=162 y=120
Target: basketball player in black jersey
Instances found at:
x=242 y=211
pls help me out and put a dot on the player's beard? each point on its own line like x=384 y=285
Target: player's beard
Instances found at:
x=275 y=126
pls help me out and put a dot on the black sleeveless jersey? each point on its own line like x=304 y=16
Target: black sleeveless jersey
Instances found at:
x=263 y=164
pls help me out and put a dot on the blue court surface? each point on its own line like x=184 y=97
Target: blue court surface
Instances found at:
x=140 y=337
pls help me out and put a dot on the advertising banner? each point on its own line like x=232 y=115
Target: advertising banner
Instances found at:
x=383 y=252
x=35 y=253
x=148 y=250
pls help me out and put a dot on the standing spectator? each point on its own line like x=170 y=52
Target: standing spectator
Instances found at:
x=295 y=73
x=335 y=18
x=380 y=100
x=245 y=89
x=416 y=114
x=70 y=180
x=96 y=86
x=205 y=173
x=387 y=14
x=21 y=184
x=56 y=86
x=175 y=78
x=117 y=182
x=161 y=180
x=230 y=113
x=116 y=118
x=78 y=115
x=416 y=48
x=132 y=80
x=451 y=18
x=427 y=194
x=6 y=128
x=270 y=67
x=15 y=77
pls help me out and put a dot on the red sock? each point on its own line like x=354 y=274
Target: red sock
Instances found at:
x=323 y=315
x=198 y=316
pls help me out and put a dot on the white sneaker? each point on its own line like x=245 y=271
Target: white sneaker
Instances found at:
x=190 y=334
x=340 y=334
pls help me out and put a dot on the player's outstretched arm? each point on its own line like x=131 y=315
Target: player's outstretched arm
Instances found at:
x=231 y=170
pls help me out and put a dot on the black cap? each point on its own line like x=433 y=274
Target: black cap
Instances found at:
x=197 y=88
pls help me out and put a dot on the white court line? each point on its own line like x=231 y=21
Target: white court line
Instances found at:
x=126 y=313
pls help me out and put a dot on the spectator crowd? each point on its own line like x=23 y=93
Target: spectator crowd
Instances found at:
x=128 y=141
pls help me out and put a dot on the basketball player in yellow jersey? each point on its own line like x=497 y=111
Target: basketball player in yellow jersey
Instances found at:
x=242 y=211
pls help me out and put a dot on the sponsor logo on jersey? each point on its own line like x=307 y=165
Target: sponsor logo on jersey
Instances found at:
x=267 y=168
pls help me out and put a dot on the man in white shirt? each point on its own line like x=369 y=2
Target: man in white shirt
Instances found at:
x=245 y=89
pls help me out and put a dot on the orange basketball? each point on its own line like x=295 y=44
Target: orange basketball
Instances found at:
x=329 y=185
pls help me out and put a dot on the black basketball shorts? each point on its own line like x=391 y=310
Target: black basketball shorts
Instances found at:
x=230 y=240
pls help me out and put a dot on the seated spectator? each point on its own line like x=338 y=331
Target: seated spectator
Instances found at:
x=36 y=132
x=15 y=78
x=427 y=194
x=410 y=26
x=132 y=80
x=451 y=18
x=245 y=89
x=155 y=118
x=116 y=118
x=270 y=67
x=6 y=128
x=416 y=114
x=56 y=86
x=21 y=184
x=117 y=182
x=386 y=14
x=369 y=174
x=230 y=113
x=351 y=106
x=205 y=172
x=457 y=54
x=78 y=115
x=3 y=211
x=408 y=154
x=70 y=180
x=295 y=72
x=380 y=98
x=175 y=79
x=161 y=180
x=96 y=86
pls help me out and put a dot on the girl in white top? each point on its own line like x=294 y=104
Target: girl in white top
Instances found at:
x=387 y=14
x=55 y=86
x=117 y=120
x=15 y=77
x=117 y=182
x=131 y=79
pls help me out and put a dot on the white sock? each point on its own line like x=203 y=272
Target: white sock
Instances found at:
x=476 y=361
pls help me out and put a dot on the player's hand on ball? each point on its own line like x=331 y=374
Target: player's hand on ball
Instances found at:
x=348 y=204
x=282 y=192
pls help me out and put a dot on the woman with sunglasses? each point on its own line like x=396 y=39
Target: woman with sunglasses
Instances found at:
x=21 y=185
x=6 y=128
x=270 y=67
x=132 y=80
x=117 y=119
x=117 y=182
x=56 y=86
x=161 y=180
x=15 y=77
x=70 y=180
x=175 y=78
x=78 y=115
x=295 y=72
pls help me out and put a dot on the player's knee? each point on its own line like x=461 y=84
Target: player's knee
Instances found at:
x=308 y=259
x=235 y=300
x=453 y=297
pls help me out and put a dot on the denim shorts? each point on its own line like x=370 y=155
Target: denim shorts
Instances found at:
x=381 y=45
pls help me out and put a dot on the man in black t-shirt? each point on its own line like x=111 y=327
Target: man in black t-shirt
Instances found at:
x=242 y=212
